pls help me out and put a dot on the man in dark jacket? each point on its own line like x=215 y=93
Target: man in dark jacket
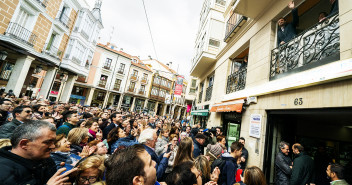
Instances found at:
x=287 y=31
x=244 y=156
x=303 y=167
x=5 y=105
x=283 y=164
x=116 y=120
x=198 y=143
x=28 y=160
x=148 y=138
x=71 y=119
x=229 y=170
x=21 y=114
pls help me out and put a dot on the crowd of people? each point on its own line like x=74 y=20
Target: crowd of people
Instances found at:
x=44 y=142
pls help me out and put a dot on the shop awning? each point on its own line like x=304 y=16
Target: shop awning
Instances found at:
x=204 y=112
x=232 y=106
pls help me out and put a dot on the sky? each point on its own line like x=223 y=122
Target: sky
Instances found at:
x=174 y=25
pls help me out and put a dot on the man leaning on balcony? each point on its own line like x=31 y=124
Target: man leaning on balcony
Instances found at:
x=287 y=31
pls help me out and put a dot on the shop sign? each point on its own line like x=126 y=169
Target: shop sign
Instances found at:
x=179 y=85
x=200 y=113
x=255 y=125
x=128 y=100
x=54 y=92
x=78 y=97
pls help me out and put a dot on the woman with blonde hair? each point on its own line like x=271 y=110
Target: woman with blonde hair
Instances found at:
x=254 y=176
x=78 y=137
x=203 y=165
x=185 y=151
x=90 y=170
x=162 y=142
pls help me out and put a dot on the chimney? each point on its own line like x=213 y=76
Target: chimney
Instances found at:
x=150 y=57
x=121 y=49
x=170 y=64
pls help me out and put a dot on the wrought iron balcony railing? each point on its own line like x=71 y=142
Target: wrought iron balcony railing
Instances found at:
x=64 y=19
x=141 y=92
x=131 y=89
x=144 y=80
x=236 y=81
x=134 y=77
x=102 y=83
x=320 y=43
x=200 y=96
x=43 y=2
x=52 y=50
x=17 y=31
x=208 y=93
x=234 y=23
x=120 y=71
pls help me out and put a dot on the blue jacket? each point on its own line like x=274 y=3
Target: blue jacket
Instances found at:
x=228 y=172
x=124 y=141
x=161 y=162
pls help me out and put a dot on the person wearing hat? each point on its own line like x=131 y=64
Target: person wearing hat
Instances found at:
x=214 y=152
x=198 y=145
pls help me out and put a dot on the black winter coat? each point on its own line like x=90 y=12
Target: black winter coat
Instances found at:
x=302 y=170
x=20 y=171
x=283 y=170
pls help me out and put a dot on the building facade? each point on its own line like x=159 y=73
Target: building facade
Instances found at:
x=106 y=80
x=296 y=91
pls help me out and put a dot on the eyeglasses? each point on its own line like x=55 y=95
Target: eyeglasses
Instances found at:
x=28 y=111
x=90 y=179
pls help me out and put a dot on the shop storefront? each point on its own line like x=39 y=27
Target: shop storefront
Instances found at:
x=150 y=107
x=326 y=135
x=139 y=104
x=200 y=116
x=126 y=102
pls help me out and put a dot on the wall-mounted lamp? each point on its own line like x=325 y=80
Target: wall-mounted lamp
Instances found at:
x=3 y=55
x=62 y=75
x=38 y=69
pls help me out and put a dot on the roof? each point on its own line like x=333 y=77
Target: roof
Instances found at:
x=115 y=51
x=165 y=66
x=140 y=64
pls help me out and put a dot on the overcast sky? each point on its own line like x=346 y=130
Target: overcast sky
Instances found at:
x=173 y=23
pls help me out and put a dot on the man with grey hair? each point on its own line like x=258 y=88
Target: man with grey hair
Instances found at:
x=28 y=160
x=148 y=138
x=283 y=164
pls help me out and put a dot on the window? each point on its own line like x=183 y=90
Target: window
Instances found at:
x=220 y=2
x=117 y=84
x=101 y=96
x=52 y=41
x=145 y=76
x=194 y=83
x=56 y=86
x=107 y=64
x=132 y=86
x=210 y=81
x=122 y=68
x=192 y=90
x=135 y=73
x=79 y=53
x=6 y=71
x=69 y=48
x=33 y=81
x=213 y=42
x=22 y=18
x=142 y=88
x=155 y=91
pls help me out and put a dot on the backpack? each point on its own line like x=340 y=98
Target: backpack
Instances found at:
x=220 y=163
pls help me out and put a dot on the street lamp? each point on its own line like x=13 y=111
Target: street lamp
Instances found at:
x=3 y=55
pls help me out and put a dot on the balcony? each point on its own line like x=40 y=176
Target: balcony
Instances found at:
x=205 y=57
x=141 y=92
x=134 y=77
x=250 y=8
x=234 y=24
x=208 y=93
x=120 y=71
x=236 y=81
x=21 y=33
x=131 y=89
x=81 y=79
x=318 y=45
x=52 y=51
x=200 y=97
x=64 y=19
x=144 y=80
x=102 y=83
x=116 y=88
x=84 y=34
